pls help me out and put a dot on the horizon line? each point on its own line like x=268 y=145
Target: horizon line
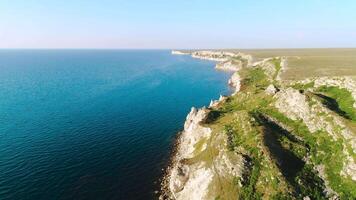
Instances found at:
x=268 y=48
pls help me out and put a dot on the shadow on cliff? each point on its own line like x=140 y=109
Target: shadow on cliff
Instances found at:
x=332 y=105
x=298 y=174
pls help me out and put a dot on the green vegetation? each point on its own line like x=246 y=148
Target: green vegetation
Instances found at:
x=300 y=86
x=249 y=190
x=283 y=159
x=277 y=63
x=290 y=151
x=310 y=184
x=320 y=147
x=343 y=98
x=324 y=150
x=255 y=81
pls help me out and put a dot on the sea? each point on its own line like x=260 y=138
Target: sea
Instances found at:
x=95 y=124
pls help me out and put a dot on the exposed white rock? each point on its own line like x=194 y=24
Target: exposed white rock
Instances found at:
x=190 y=181
x=349 y=168
x=230 y=65
x=222 y=98
x=214 y=103
x=227 y=164
x=235 y=82
x=220 y=56
x=283 y=64
x=294 y=105
x=271 y=90
x=331 y=194
x=197 y=185
x=193 y=132
x=176 y=52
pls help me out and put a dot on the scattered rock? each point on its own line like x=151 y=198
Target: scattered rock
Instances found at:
x=235 y=82
x=271 y=90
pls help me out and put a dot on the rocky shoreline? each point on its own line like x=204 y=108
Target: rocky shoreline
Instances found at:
x=177 y=174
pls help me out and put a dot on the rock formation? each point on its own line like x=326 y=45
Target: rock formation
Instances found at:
x=271 y=139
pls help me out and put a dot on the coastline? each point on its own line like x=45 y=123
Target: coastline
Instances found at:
x=194 y=118
x=222 y=145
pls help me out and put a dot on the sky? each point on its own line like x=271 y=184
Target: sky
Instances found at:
x=183 y=24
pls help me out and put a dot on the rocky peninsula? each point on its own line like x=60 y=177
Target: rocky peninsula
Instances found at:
x=271 y=139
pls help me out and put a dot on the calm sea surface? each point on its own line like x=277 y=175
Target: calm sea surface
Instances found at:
x=94 y=124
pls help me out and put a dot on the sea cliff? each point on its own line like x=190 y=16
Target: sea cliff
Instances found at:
x=271 y=139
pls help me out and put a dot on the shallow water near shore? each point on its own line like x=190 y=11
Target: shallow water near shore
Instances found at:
x=94 y=124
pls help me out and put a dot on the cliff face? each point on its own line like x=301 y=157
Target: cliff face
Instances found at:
x=190 y=180
x=190 y=176
x=272 y=139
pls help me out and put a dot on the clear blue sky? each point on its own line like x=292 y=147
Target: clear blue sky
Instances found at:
x=177 y=24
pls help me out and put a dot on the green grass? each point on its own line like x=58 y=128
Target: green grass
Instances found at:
x=321 y=147
x=300 y=86
x=310 y=184
x=324 y=150
x=343 y=98
x=306 y=182
x=277 y=64
x=255 y=79
x=249 y=190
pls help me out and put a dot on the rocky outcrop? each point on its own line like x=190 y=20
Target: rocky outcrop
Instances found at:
x=191 y=180
x=344 y=82
x=316 y=117
x=185 y=180
x=294 y=105
x=230 y=65
x=271 y=89
x=193 y=132
x=176 y=52
x=235 y=82
x=226 y=60
x=283 y=68
x=219 y=56
x=215 y=103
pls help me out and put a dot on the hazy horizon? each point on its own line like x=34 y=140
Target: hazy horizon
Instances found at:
x=160 y=24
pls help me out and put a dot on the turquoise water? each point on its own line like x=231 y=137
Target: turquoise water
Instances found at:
x=94 y=124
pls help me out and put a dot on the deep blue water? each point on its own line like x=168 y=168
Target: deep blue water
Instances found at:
x=94 y=124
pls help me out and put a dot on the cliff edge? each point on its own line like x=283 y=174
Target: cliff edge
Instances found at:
x=271 y=139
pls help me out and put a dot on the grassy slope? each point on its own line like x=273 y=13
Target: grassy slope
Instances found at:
x=240 y=117
x=343 y=98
